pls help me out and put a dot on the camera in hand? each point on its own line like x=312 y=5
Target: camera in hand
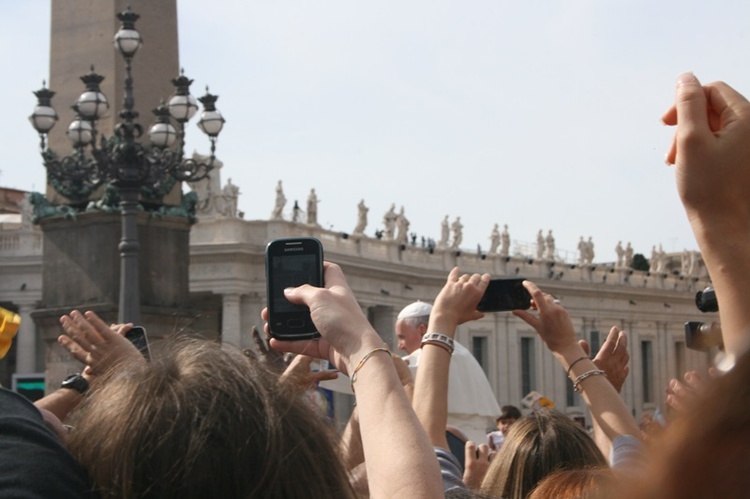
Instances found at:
x=706 y=301
x=703 y=336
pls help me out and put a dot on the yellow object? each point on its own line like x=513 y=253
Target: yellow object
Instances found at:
x=9 y=322
x=546 y=403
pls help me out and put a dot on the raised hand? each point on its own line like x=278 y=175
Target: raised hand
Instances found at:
x=299 y=373
x=346 y=334
x=552 y=322
x=92 y=342
x=457 y=301
x=613 y=356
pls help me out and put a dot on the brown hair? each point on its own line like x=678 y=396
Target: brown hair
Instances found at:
x=537 y=445
x=199 y=421
x=586 y=483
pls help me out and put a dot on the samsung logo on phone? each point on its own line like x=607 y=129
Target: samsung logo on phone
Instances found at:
x=293 y=249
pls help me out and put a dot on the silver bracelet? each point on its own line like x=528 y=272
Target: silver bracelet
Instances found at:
x=593 y=372
x=439 y=339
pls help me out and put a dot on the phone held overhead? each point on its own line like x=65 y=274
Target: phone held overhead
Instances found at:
x=291 y=263
x=137 y=336
x=503 y=295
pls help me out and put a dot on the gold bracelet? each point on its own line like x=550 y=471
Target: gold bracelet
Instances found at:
x=593 y=372
x=362 y=363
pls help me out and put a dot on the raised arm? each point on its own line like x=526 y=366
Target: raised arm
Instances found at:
x=711 y=154
x=455 y=304
x=554 y=326
x=98 y=346
x=398 y=456
x=612 y=358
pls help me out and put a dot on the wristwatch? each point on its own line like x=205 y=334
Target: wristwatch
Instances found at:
x=76 y=382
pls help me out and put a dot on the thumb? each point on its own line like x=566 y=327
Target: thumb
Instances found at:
x=690 y=103
x=585 y=346
x=470 y=451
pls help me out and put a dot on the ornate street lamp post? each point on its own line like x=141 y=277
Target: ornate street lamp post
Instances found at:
x=134 y=169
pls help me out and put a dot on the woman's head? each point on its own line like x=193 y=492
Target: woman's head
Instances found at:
x=537 y=445
x=200 y=420
x=585 y=483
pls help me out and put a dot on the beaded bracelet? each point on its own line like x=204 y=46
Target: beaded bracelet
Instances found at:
x=362 y=363
x=440 y=340
x=570 y=367
x=593 y=372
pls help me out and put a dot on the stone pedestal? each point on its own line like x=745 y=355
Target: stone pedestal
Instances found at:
x=81 y=270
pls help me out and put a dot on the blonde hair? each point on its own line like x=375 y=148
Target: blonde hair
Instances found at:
x=537 y=445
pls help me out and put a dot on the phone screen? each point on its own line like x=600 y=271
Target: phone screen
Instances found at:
x=503 y=295
x=292 y=271
x=291 y=263
x=137 y=336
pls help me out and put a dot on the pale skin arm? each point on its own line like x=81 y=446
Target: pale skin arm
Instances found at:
x=612 y=358
x=392 y=438
x=455 y=304
x=711 y=154
x=61 y=402
x=554 y=326
x=351 y=439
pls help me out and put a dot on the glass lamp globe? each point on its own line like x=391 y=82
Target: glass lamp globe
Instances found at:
x=211 y=122
x=92 y=104
x=79 y=132
x=182 y=107
x=162 y=134
x=43 y=118
x=127 y=41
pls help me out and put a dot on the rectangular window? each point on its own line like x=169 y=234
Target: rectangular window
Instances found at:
x=679 y=359
x=527 y=366
x=595 y=342
x=647 y=368
x=479 y=350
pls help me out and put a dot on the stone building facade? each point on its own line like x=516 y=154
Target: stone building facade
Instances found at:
x=227 y=273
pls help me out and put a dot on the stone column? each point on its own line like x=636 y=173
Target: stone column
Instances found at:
x=230 y=319
x=26 y=341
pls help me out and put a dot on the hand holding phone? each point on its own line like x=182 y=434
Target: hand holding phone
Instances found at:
x=292 y=263
x=503 y=295
x=137 y=336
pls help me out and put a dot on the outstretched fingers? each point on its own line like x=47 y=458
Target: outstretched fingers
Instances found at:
x=74 y=349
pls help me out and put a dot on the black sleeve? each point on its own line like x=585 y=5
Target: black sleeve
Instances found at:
x=33 y=462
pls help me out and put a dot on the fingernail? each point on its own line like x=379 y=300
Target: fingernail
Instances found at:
x=687 y=77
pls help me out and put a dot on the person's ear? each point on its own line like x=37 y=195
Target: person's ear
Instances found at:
x=422 y=329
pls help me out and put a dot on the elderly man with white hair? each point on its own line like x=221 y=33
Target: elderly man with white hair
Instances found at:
x=472 y=406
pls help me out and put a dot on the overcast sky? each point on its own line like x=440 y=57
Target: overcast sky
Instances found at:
x=539 y=115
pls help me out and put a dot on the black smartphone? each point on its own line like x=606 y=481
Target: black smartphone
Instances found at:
x=505 y=294
x=291 y=263
x=137 y=336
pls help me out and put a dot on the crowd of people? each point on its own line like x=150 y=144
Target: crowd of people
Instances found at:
x=200 y=419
